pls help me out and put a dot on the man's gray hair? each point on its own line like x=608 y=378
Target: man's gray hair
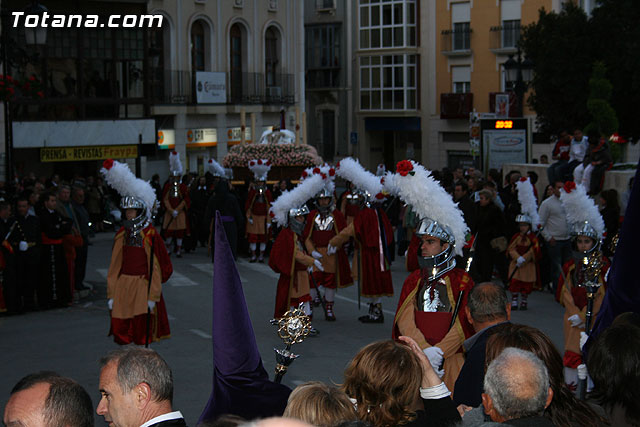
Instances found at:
x=487 y=302
x=137 y=365
x=518 y=383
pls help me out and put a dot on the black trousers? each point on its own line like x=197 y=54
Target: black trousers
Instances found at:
x=27 y=268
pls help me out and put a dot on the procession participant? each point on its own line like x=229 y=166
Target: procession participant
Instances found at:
x=257 y=207
x=53 y=288
x=227 y=204
x=372 y=233
x=431 y=308
x=524 y=249
x=349 y=203
x=176 y=201
x=586 y=228
x=289 y=257
x=9 y=288
x=323 y=224
x=134 y=290
x=27 y=252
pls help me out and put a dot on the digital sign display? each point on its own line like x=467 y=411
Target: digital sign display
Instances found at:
x=504 y=124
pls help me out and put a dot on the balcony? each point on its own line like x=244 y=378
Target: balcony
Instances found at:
x=456 y=42
x=503 y=39
x=456 y=105
x=173 y=87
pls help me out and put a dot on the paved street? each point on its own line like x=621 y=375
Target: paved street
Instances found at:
x=72 y=340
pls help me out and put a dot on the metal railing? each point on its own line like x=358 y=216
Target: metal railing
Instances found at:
x=505 y=36
x=456 y=40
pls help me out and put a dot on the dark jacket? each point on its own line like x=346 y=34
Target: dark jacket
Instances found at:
x=468 y=209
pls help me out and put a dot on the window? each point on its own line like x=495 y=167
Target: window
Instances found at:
x=461 y=79
x=388 y=82
x=387 y=23
x=323 y=55
x=460 y=23
x=510 y=33
x=271 y=41
x=197 y=46
x=235 y=48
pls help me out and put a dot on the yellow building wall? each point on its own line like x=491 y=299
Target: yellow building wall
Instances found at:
x=485 y=65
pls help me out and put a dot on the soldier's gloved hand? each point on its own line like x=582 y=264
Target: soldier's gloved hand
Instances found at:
x=582 y=371
x=331 y=250
x=583 y=339
x=310 y=269
x=268 y=225
x=520 y=261
x=23 y=246
x=151 y=304
x=575 y=321
x=316 y=254
x=110 y=303
x=318 y=265
x=435 y=355
x=250 y=220
x=174 y=213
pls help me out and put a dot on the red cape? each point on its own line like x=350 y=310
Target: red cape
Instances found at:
x=412 y=254
x=375 y=280
x=579 y=294
x=151 y=236
x=344 y=278
x=434 y=326
x=184 y=193
x=252 y=195
x=282 y=261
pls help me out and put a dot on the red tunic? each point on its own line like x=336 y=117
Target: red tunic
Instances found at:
x=435 y=325
x=282 y=261
x=374 y=267
x=257 y=232
x=527 y=276
x=320 y=239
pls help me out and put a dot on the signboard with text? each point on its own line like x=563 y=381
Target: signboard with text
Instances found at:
x=202 y=138
x=503 y=141
x=211 y=88
x=166 y=139
x=72 y=154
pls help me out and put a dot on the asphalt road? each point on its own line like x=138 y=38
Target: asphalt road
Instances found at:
x=72 y=340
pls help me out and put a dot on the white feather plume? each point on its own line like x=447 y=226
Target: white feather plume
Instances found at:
x=528 y=203
x=325 y=172
x=581 y=208
x=295 y=198
x=351 y=170
x=428 y=199
x=381 y=170
x=260 y=168
x=121 y=179
x=215 y=168
x=175 y=165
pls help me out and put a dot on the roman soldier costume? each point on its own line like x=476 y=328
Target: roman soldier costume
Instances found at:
x=176 y=201
x=257 y=208
x=139 y=264
x=433 y=298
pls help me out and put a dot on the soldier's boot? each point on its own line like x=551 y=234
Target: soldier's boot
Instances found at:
x=523 y=302
x=329 y=316
x=514 y=302
x=375 y=316
x=179 y=251
x=254 y=258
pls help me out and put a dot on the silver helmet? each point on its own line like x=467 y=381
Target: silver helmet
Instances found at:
x=586 y=230
x=141 y=220
x=297 y=226
x=524 y=218
x=436 y=265
x=324 y=194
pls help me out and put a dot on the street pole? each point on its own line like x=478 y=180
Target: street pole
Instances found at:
x=520 y=87
x=8 y=132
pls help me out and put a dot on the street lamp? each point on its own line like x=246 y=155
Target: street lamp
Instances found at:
x=519 y=73
x=35 y=36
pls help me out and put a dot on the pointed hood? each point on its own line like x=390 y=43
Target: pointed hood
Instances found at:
x=241 y=385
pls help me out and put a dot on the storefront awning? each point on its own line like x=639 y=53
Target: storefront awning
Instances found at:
x=392 y=123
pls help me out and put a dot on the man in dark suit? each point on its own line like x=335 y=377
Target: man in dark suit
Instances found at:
x=26 y=246
x=137 y=390
x=486 y=309
x=48 y=399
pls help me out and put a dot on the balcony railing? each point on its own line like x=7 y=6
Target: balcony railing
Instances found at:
x=177 y=87
x=504 y=38
x=456 y=105
x=456 y=42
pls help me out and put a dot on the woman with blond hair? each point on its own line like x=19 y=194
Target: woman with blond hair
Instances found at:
x=386 y=381
x=320 y=405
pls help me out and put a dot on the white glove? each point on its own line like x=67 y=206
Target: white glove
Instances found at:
x=310 y=269
x=151 y=304
x=435 y=356
x=268 y=225
x=110 y=303
x=316 y=254
x=520 y=261
x=575 y=321
x=583 y=339
x=174 y=213
x=250 y=220
x=318 y=265
x=331 y=250
x=582 y=371
x=23 y=246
